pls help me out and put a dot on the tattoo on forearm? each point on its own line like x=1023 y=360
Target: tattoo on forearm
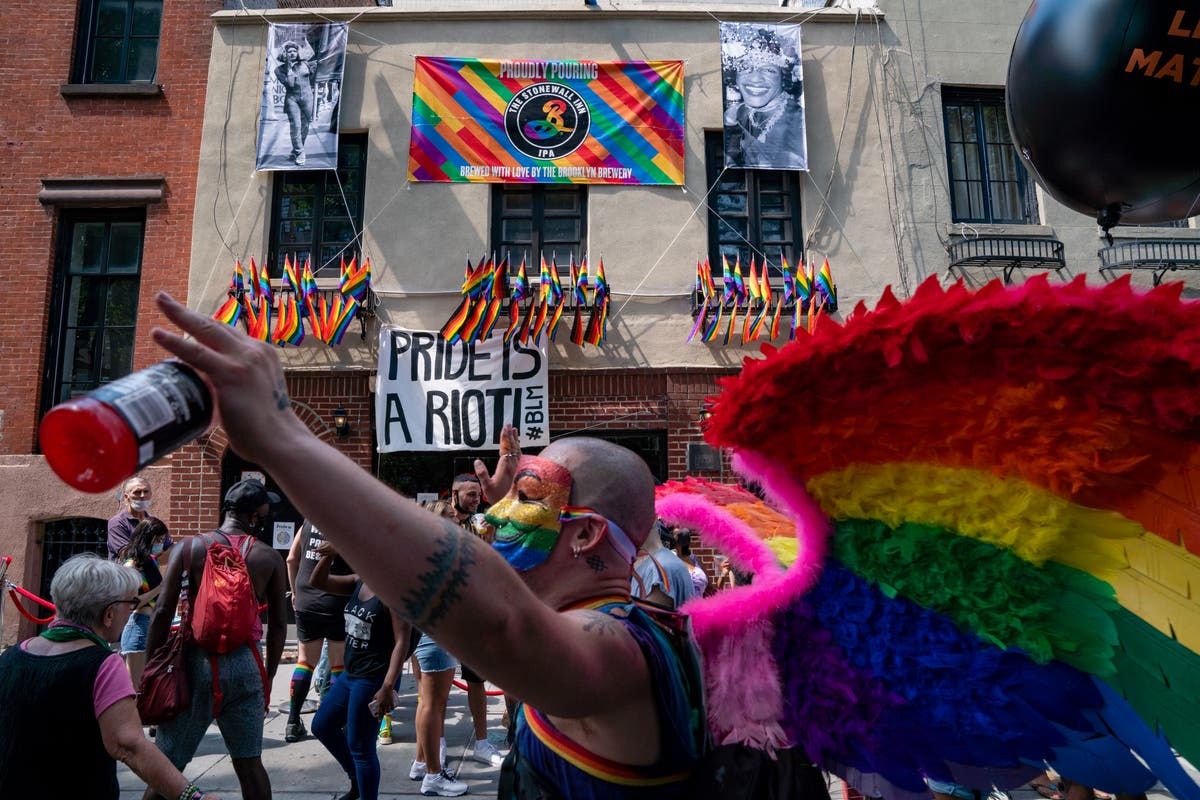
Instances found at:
x=602 y=625
x=281 y=396
x=439 y=589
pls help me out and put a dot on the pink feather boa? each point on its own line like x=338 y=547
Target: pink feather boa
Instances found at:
x=734 y=629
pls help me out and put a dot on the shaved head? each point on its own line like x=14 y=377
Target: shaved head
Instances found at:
x=609 y=478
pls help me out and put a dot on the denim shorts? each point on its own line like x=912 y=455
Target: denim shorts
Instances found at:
x=241 y=719
x=433 y=658
x=133 y=637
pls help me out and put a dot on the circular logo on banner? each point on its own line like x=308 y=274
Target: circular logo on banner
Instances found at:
x=547 y=120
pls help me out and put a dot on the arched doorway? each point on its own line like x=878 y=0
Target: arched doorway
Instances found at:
x=287 y=519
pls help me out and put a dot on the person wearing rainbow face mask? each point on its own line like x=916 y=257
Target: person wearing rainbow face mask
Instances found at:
x=611 y=696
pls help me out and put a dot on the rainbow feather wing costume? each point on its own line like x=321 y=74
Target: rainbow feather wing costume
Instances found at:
x=992 y=547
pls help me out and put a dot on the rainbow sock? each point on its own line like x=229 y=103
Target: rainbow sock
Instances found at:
x=335 y=672
x=301 y=681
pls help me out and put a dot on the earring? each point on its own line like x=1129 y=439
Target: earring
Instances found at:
x=576 y=551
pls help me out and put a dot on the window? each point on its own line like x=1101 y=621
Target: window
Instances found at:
x=751 y=212
x=988 y=184
x=317 y=214
x=118 y=41
x=534 y=220
x=95 y=302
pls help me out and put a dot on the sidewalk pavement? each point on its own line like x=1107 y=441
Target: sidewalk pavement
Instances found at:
x=305 y=771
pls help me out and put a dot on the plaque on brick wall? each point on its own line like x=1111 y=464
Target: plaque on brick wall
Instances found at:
x=703 y=458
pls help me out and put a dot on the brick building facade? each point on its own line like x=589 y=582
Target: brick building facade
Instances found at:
x=94 y=145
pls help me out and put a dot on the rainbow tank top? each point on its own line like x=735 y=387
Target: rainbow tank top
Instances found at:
x=546 y=764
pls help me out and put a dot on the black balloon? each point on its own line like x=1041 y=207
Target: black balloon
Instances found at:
x=1104 y=105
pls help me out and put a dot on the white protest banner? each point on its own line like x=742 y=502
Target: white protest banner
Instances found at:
x=432 y=395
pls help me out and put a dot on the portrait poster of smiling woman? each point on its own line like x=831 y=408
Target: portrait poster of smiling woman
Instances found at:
x=764 y=96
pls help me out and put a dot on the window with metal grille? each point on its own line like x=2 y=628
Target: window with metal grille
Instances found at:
x=317 y=214
x=94 y=302
x=533 y=221
x=988 y=184
x=751 y=212
x=118 y=41
x=63 y=538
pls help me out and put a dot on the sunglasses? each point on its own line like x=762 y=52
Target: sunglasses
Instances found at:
x=133 y=604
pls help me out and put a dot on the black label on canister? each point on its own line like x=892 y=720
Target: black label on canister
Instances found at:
x=166 y=406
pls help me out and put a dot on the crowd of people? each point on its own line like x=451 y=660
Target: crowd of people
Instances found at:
x=551 y=576
x=526 y=575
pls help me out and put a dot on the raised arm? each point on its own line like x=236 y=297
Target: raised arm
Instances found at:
x=168 y=598
x=438 y=577
x=322 y=579
x=293 y=562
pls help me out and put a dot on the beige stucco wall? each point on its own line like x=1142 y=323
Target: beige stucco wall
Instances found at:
x=875 y=201
x=32 y=496
x=418 y=235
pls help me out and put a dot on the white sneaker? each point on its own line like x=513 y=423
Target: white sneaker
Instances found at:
x=419 y=769
x=442 y=785
x=486 y=753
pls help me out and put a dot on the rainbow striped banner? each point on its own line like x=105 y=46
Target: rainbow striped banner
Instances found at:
x=491 y=121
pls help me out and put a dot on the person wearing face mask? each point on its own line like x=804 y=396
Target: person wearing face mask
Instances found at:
x=612 y=697
x=135 y=507
x=247 y=507
x=142 y=553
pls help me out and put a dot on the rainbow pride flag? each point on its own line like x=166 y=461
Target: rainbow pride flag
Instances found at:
x=555 y=317
x=258 y=318
x=341 y=314
x=514 y=321
x=288 y=327
x=826 y=287
x=752 y=282
x=291 y=280
x=355 y=281
x=237 y=283
x=581 y=283
x=490 y=315
x=230 y=311
x=263 y=279
x=533 y=121
x=789 y=282
x=452 y=330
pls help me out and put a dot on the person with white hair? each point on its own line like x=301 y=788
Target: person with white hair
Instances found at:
x=68 y=678
x=134 y=499
x=611 y=694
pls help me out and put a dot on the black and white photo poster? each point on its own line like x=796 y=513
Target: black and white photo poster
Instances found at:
x=764 y=96
x=302 y=87
x=433 y=395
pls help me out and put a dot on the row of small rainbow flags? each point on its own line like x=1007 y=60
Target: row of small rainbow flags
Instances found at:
x=809 y=293
x=278 y=317
x=487 y=286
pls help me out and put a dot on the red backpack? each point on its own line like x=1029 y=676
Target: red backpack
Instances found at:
x=224 y=613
